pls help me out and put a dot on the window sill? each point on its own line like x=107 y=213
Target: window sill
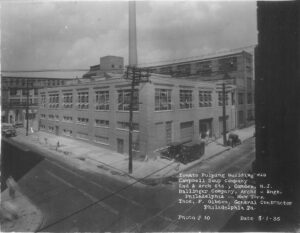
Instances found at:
x=102 y=110
x=126 y=111
x=102 y=143
x=171 y=110
x=185 y=109
x=99 y=126
x=84 y=124
x=85 y=139
x=136 y=131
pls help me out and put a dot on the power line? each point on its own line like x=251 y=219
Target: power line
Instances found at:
x=100 y=200
x=44 y=70
x=186 y=59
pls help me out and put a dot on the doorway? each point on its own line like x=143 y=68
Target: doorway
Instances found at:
x=120 y=144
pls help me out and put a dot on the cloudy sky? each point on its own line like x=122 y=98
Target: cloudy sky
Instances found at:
x=74 y=35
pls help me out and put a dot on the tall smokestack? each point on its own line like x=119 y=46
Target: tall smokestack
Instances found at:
x=132 y=35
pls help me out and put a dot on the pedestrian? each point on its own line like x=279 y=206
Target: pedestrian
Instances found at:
x=46 y=140
x=57 y=145
x=202 y=143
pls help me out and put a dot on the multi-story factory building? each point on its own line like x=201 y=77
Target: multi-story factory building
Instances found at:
x=237 y=66
x=20 y=93
x=165 y=110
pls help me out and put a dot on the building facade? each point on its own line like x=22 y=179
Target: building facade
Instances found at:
x=237 y=66
x=15 y=91
x=165 y=110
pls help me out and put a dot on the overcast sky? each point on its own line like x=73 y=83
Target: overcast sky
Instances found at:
x=54 y=35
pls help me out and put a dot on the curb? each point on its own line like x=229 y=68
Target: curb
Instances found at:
x=173 y=177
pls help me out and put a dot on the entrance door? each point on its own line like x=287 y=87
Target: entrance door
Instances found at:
x=120 y=144
x=186 y=131
x=205 y=127
x=56 y=130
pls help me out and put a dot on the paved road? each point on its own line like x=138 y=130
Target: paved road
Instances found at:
x=74 y=200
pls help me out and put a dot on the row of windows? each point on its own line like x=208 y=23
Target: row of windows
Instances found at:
x=163 y=99
x=53 y=117
x=36 y=83
x=82 y=120
x=25 y=92
x=203 y=68
x=68 y=118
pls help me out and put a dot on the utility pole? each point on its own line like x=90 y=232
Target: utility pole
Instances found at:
x=224 y=97
x=224 y=113
x=137 y=76
x=27 y=106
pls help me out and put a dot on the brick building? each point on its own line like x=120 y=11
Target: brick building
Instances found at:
x=238 y=66
x=14 y=93
x=166 y=110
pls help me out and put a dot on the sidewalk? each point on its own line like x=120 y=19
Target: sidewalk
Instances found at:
x=90 y=157
x=28 y=218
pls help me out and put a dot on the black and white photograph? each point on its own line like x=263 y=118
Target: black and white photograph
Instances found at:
x=150 y=116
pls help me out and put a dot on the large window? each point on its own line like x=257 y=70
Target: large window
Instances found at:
x=183 y=70
x=125 y=125
x=249 y=83
x=43 y=100
x=228 y=64
x=53 y=100
x=68 y=100
x=67 y=132
x=82 y=120
x=205 y=98
x=204 y=68
x=102 y=100
x=68 y=118
x=241 y=98
x=162 y=99
x=249 y=98
x=220 y=98
x=83 y=100
x=102 y=123
x=186 y=99
x=124 y=100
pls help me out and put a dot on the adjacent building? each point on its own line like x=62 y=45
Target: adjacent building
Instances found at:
x=237 y=66
x=16 y=90
x=166 y=109
x=108 y=64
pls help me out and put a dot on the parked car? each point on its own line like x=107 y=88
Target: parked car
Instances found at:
x=184 y=153
x=8 y=130
x=19 y=125
x=234 y=140
x=172 y=150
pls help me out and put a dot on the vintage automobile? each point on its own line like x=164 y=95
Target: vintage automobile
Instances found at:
x=8 y=130
x=184 y=152
x=233 y=140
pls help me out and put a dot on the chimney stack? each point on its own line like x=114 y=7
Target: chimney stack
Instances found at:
x=132 y=35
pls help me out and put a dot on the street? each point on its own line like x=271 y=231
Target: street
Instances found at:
x=75 y=200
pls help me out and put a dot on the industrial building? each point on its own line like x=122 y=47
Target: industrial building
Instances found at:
x=166 y=110
x=18 y=93
x=237 y=65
